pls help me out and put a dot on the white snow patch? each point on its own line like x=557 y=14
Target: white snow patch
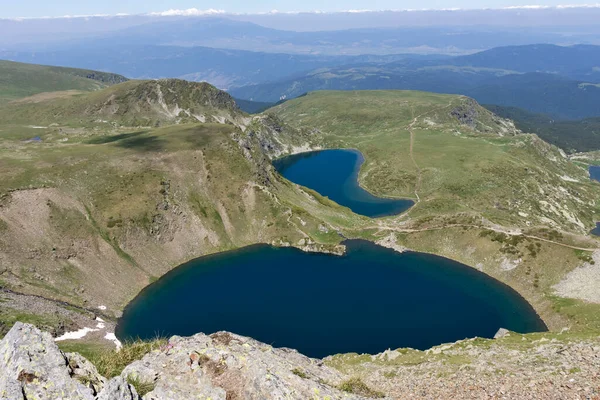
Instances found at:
x=302 y=149
x=102 y=308
x=522 y=214
x=75 y=335
x=37 y=127
x=113 y=338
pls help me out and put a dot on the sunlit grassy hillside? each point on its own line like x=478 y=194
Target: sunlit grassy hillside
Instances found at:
x=18 y=80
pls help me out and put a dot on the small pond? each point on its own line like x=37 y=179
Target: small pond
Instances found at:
x=366 y=301
x=595 y=172
x=595 y=175
x=334 y=174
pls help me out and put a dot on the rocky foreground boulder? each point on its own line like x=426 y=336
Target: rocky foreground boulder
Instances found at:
x=33 y=367
x=222 y=366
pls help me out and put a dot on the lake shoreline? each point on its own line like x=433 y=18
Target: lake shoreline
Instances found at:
x=356 y=248
x=335 y=173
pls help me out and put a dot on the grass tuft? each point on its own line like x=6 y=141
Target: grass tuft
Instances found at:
x=357 y=386
x=111 y=363
x=142 y=387
x=300 y=373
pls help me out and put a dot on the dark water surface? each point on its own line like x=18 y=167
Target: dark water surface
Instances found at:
x=334 y=173
x=595 y=172
x=596 y=230
x=369 y=300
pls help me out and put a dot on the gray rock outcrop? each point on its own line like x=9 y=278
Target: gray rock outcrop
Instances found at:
x=222 y=366
x=85 y=372
x=32 y=367
x=502 y=332
x=118 y=389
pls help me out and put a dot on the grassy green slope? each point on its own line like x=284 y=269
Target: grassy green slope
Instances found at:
x=93 y=210
x=18 y=80
x=132 y=103
x=121 y=185
x=453 y=167
x=111 y=213
x=508 y=203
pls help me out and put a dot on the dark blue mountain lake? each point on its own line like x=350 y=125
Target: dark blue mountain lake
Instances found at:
x=366 y=301
x=334 y=174
x=595 y=172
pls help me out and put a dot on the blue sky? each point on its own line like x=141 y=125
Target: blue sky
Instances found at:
x=38 y=8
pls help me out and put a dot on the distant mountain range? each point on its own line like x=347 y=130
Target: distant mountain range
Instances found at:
x=561 y=82
x=554 y=80
x=577 y=62
x=240 y=35
x=222 y=68
x=420 y=32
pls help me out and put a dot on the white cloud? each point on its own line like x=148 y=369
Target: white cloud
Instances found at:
x=190 y=12
x=276 y=12
x=527 y=7
x=597 y=5
x=559 y=7
x=194 y=12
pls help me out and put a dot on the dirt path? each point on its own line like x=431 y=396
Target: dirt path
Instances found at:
x=495 y=229
x=412 y=157
x=412 y=145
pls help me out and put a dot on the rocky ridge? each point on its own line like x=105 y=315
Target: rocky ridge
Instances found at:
x=222 y=366
x=144 y=103
x=512 y=366
x=225 y=366
x=32 y=367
